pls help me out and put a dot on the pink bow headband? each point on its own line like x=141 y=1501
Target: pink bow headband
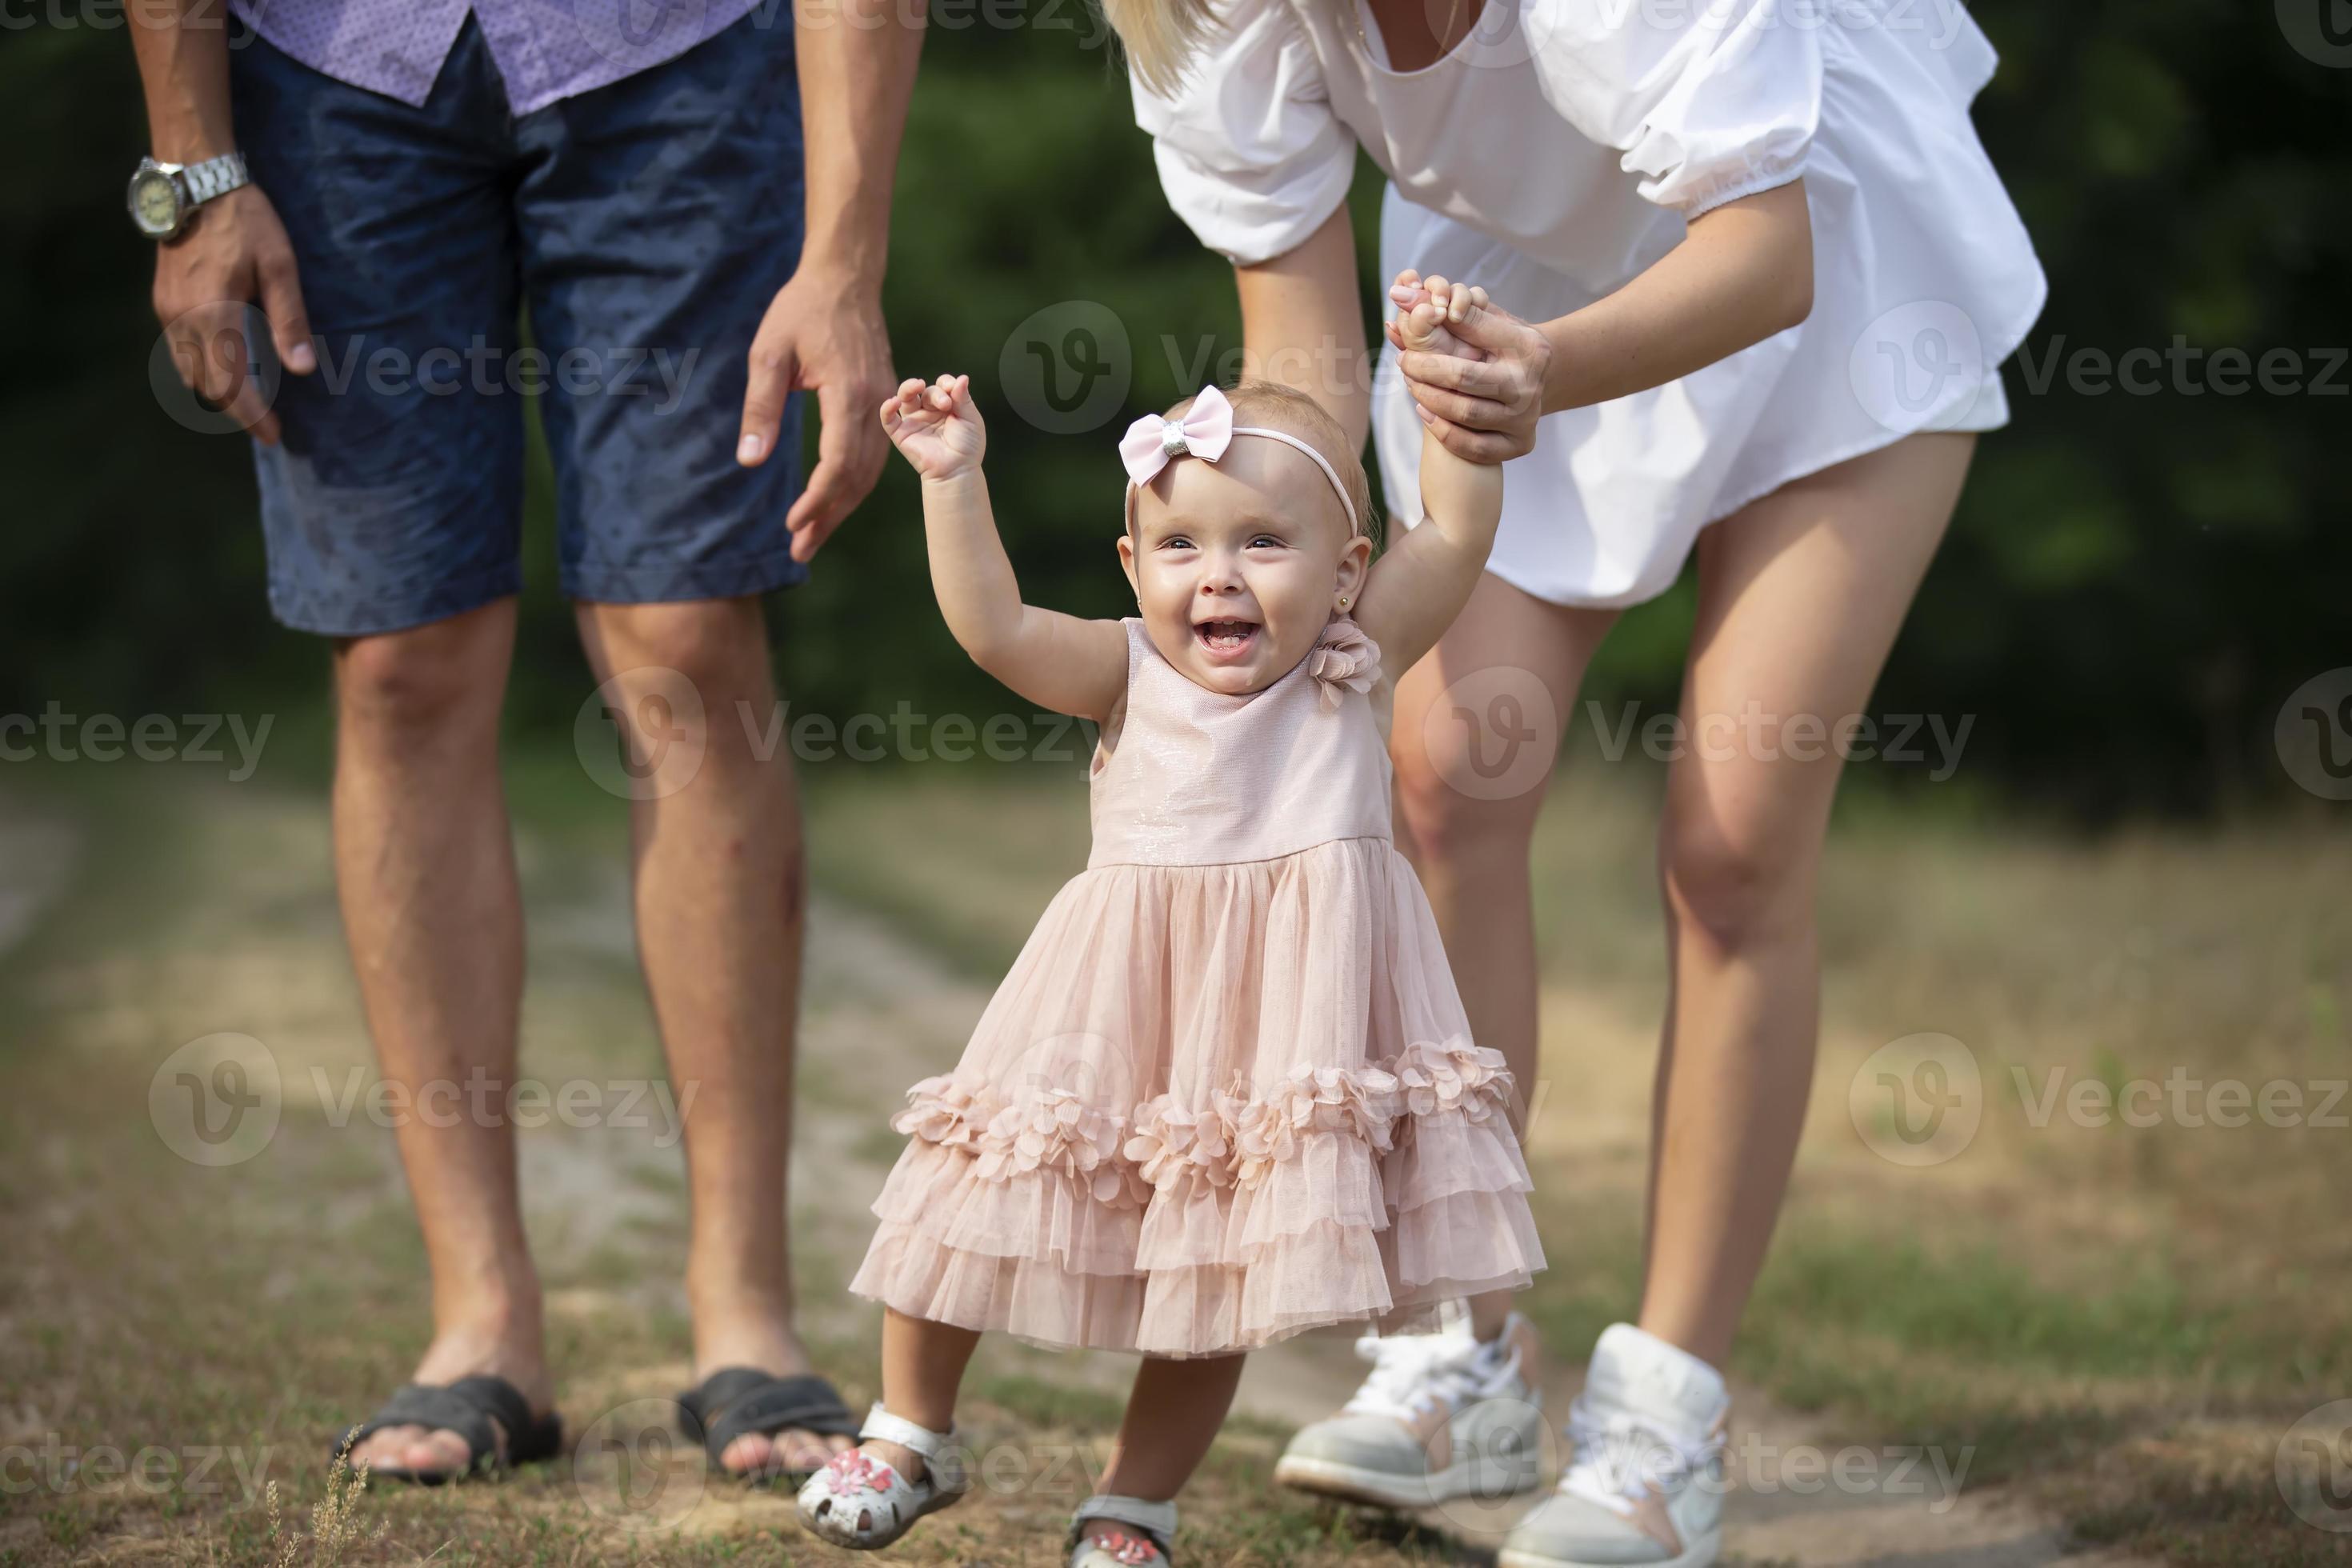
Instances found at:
x=1204 y=432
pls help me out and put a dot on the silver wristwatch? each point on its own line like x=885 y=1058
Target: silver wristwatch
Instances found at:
x=164 y=196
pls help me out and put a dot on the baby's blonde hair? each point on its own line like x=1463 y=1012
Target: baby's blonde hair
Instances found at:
x=1280 y=406
x=1161 y=37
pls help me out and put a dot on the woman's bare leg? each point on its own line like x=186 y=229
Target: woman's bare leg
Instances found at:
x=1800 y=595
x=1477 y=728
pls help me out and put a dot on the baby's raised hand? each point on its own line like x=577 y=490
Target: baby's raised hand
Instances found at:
x=1427 y=308
x=935 y=426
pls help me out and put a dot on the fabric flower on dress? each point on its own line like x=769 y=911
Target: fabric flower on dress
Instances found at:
x=1454 y=1075
x=1172 y=1143
x=1054 y=1130
x=1359 y=1103
x=942 y=1111
x=1345 y=657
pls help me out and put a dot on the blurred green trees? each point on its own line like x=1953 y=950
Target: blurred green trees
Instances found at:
x=2134 y=582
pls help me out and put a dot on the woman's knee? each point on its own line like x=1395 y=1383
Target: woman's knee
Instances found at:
x=1739 y=877
x=1453 y=814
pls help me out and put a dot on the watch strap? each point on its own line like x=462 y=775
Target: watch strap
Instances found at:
x=213 y=177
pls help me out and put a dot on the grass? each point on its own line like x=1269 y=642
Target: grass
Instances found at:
x=2118 y=1323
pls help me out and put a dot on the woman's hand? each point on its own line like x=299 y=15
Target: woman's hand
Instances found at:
x=1484 y=408
x=936 y=428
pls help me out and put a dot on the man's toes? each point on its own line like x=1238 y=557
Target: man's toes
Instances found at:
x=806 y=1450
x=384 y=1449
x=752 y=1454
x=441 y=1452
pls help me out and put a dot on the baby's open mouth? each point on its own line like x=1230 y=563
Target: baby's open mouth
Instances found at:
x=1224 y=636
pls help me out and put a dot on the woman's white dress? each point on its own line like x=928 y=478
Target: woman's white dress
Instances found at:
x=1559 y=150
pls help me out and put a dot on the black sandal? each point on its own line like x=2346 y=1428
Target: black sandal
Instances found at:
x=465 y=1407
x=737 y=1401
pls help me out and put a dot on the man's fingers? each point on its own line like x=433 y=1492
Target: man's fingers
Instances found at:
x=773 y=369
x=289 y=323
x=849 y=459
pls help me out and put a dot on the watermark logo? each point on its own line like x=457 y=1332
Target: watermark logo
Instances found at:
x=217 y=1099
x=1491 y=734
x=642 y=734
x=1917 y=1100
x=2318 y=30
x=1508 y=1447
x=2314 y=734
x=2314 y=1467
x=222 y=345
x=632 y=1467
x=1066 y=369
x=1920 y=366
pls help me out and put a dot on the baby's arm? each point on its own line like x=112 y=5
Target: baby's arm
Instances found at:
x=1058 y=661
x=1420 y=582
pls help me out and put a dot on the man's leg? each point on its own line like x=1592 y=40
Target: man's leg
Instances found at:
x=425 y=868
x=721 y=883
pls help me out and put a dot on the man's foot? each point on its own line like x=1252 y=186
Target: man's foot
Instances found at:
x=1442 y=1415
x=777 y=1352
x=1645 y=1489
x=422 y=1451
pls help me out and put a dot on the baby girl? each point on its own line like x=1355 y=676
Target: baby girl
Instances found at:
x=1227 y=1092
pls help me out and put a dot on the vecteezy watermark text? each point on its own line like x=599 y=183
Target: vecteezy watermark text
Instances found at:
x=63 y=737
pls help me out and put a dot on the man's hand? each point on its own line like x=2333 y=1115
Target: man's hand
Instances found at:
x=235 y=253
x=822 y=331
x=1484 y=408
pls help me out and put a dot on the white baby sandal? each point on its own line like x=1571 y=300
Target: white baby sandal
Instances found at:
x=862 y=1502
x=1150 y=1528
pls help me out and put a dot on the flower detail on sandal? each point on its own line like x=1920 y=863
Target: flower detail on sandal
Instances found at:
x=1128 y=1548
x=854 y=1470
x=1345 y=657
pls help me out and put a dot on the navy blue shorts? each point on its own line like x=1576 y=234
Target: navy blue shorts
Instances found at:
x=644 y=227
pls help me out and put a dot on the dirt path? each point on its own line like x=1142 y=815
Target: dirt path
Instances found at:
x=882 y=1012
x=606 y=1204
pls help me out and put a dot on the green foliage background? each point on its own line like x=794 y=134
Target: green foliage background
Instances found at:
x=2134 y=584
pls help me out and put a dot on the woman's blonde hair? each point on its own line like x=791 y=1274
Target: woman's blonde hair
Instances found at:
x=1281 y=407
x=1159 y=37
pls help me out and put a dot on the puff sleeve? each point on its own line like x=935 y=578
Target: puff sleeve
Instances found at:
x=1708 y=100
x=1249 y=151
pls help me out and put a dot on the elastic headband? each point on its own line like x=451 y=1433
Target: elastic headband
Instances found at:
x=1204 y=432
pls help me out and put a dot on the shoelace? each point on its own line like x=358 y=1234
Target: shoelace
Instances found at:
x=1412 y=1373
x=1620 y=1458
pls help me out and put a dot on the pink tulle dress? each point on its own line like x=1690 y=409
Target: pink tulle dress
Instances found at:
x=1227 y=1092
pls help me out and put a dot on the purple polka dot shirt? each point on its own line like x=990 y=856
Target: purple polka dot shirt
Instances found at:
x=545 y=49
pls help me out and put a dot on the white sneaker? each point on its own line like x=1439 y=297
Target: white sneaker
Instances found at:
x=1441 y=1416
x=1645 y=1485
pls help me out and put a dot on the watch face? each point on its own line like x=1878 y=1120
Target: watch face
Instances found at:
x=154 y=204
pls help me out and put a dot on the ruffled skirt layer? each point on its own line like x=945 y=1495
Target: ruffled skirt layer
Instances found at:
x=1209 y=1106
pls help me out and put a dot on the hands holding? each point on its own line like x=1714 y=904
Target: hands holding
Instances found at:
x=1477 y=372
x=936 y=428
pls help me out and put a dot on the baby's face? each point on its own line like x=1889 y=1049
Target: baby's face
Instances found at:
x=1239 y=565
